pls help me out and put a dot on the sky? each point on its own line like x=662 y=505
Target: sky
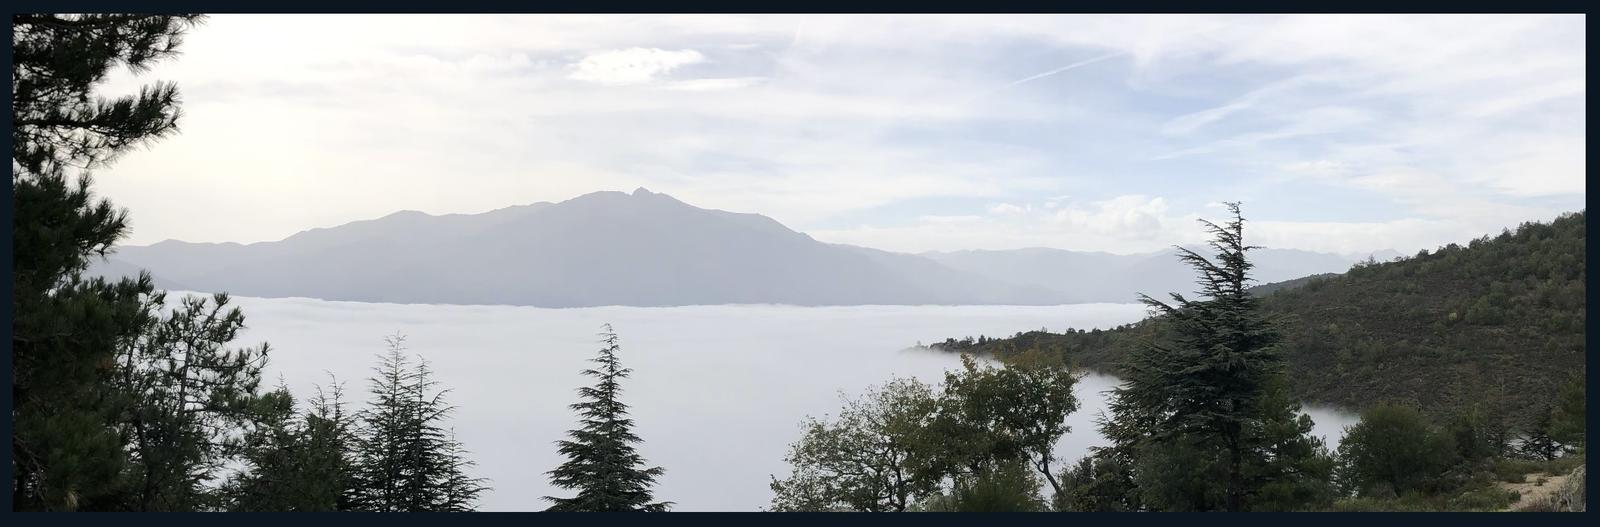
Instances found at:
x=1344 y=134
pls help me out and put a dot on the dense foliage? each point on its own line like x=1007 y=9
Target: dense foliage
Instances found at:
x=1394 y=450
x=1202 y=418
x=117 y=404
x=188 y=398
x=1206 y=418
x=980 y=443
x=120 y=401
x=1498 y=323
x=877 y=455
x=297 y=461
x=394 y=455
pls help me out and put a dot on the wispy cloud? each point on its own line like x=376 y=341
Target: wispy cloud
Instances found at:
x=1458 y=124
x=730 y=83
x=1189 y=123
x=1068 y=67
x=631 y=66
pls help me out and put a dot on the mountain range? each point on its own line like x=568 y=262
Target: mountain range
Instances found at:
x=649 y=249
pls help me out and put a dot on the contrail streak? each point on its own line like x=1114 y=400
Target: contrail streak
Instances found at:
x=1074 y=65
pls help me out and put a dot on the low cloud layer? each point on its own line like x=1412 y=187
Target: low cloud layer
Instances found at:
x=717 y=393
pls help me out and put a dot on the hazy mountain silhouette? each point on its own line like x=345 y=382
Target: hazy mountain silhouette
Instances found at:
x=1106 y=277
x=638 y=249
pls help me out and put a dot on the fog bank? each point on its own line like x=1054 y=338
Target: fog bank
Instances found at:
x=717 y=393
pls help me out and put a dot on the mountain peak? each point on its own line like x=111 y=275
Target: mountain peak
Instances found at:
x=408 y=213
x=641 y=191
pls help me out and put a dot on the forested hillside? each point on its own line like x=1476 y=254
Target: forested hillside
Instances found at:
x=1498 y=321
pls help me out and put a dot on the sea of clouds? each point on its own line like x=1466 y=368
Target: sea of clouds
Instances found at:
x=717 y=393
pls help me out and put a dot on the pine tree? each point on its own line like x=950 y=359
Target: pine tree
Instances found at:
x=1203 y=397
x=69 y=447
x=58 y=60
x=271 y=455
x=384 y=432
x=602 y=464
x=460 y=490
x=189 y=398
x=1288 y=468
x=295 y=462
x=329 y=436
x=406 y=461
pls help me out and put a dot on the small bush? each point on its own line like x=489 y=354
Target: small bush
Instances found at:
x=1484 y=499
x=1515 y=470
x=1394 y=446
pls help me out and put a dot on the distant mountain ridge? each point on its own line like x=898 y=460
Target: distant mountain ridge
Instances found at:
x=1105 y=277
x=636 y=249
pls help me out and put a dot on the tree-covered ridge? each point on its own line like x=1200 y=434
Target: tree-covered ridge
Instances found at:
x=1203 y=420
x=1500 y=319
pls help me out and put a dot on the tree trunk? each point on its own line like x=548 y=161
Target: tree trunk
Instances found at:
x=1044 y=466
x=1235 y=471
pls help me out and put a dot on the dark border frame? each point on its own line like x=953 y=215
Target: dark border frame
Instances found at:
x=735 y=518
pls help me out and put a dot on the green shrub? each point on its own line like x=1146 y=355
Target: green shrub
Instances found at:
x=1515 y=470
x=1486 y=498
x=1394 y=449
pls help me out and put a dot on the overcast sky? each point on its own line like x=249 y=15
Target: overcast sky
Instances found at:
x=910 y=133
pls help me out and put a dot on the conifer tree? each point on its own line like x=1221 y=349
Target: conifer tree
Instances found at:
x=272 y=457
x=75 y=443
x=1204 y=397
x=328 y=433
x=602 y=464
x=295 y=462
x=188 y=396
x=406 y=461
x=56 y=62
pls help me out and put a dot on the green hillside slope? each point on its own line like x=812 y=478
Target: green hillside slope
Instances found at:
x=1500 y=319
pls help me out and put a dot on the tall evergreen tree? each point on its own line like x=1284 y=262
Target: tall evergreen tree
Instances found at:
x=75 y=422
x=406 y=461
x=602 y=464
x=1203 y=397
